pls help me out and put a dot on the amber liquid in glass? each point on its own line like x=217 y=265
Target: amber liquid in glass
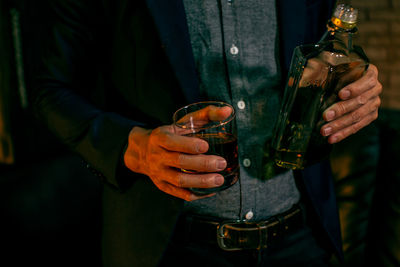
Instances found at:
x=224 y=145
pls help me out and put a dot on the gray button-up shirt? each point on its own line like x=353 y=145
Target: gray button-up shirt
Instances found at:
x=235 y=46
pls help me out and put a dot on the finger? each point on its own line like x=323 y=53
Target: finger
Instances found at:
x=219 y=113
x=213 y=113
x=368 y=81
x=184 y=144
x=199 y=163
x=180 y=192
x=342 y=107
x=197 y=180
x=352 y=129
x=203 y=116
x=351 y=118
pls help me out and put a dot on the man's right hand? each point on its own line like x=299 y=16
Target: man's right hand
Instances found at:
x=160 y=154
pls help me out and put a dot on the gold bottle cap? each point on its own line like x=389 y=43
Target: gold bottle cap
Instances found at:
x=345 y=16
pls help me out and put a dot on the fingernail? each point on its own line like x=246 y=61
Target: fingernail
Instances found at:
x=330 y=115
x=327 y=131
x=221 y=164
x=202 y=147
x=344 y=94
x=218 y=180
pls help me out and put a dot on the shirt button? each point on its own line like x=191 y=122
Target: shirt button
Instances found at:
x=241 y=104
x=246 y=162
x=234 y=50
x=249 y=215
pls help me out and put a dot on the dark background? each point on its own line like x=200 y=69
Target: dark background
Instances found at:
x=50 y=204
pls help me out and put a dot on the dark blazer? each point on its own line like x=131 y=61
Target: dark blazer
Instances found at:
x=112 y=65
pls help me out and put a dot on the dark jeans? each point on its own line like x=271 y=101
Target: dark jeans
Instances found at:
x=298 y=249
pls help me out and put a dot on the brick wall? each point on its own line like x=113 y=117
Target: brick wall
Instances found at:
x=379 y=35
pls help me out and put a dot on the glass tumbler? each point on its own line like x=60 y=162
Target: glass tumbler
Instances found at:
x=214 y=122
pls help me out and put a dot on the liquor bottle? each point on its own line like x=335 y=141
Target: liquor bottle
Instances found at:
x=317 y=73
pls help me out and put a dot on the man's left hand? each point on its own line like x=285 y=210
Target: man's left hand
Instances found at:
x=358 y=107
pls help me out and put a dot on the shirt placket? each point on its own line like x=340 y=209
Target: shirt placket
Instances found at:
x=238 y=91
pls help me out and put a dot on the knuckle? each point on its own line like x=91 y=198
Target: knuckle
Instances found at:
x=356 y=116
x=180 y=159
x=341 y=108
x=204 y=181
x=362 y=99
x=161 y=138
x=167 y=139
x=375 y=115
x=207 y=163
x=379 y=87
x=179 y=181
x=372 y=81
x=378 y=103
x=161 y=135
x=154 y=137
x=370 y=73
x=335 y=126
x=374 y=70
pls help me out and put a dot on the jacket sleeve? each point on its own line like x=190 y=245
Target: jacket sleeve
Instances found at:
x=63 y=83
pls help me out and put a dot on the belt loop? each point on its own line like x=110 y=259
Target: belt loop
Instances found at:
x=263 y=235
x=282 y=224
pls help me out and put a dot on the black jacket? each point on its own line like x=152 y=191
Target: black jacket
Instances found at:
x=111 y=65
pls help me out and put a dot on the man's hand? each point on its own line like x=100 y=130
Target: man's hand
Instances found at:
x=358 y=108
x=162 y=153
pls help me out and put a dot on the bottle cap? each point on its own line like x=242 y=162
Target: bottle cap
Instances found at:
x=345 y=16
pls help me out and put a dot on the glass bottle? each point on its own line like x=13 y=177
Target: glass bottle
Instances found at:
x=316 y=75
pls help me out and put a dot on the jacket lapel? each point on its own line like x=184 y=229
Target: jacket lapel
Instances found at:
x=170 y=20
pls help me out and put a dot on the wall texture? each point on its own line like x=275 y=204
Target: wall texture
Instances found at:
x=379 y=35
x=360 y=163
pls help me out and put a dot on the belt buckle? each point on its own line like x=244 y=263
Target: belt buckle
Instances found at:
x=221 y=235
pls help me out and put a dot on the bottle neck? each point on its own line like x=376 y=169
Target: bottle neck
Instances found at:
x=340 y=34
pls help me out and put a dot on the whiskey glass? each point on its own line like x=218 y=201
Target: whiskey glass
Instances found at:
x=214 y=122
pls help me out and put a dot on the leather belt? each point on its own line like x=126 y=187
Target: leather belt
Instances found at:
x=239 y=235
